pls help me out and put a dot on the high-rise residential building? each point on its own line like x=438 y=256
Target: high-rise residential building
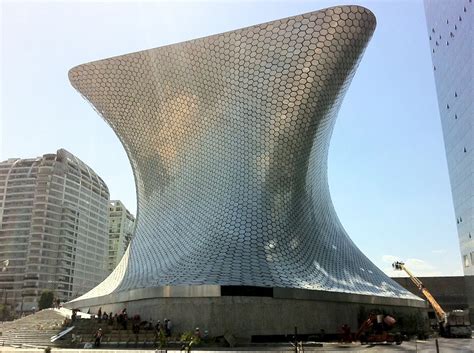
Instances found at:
x=53 y=228
x=451 y=32
x=121 y=223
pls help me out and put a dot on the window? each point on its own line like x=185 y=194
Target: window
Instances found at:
x=456 y=116
x=455 y=94
x=466 y=261
x=465 y=150
x=447 y=106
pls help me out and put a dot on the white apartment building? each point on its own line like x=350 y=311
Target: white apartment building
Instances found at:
x=53 y=228
x=121 y=225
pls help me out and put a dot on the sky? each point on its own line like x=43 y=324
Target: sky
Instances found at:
x=387 y=166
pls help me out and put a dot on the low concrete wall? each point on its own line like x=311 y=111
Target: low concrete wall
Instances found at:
x=449 y=292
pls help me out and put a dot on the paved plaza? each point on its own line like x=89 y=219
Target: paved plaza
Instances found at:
x=445 y=346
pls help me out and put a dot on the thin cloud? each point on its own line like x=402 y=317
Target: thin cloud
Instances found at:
x=390 y=259
x=418 y=267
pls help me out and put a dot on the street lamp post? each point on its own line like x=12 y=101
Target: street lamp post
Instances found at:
x=4 y=266
x=22 y=299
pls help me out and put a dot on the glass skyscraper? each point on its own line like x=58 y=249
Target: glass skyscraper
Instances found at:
x=450 y=28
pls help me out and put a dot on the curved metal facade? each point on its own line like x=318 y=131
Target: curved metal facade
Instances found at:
x=228 y=139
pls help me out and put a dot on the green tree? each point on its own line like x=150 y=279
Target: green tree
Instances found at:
x=46 y=300
x=5 y=312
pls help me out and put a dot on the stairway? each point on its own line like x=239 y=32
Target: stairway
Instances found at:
x=32 y=330
x=36 y=331
x=113 y=335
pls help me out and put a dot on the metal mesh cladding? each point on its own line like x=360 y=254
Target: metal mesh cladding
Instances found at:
x=228 y=139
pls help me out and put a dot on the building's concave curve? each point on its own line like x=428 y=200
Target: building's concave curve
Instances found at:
x=228 y=140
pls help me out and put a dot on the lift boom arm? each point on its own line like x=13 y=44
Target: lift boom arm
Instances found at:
x=440 y=313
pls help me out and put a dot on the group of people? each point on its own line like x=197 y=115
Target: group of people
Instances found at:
x=160 y=327
x=103 y=315
x=164 y=327
x=122 y=319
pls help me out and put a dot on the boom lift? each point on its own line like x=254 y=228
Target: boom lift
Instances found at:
x=453 y=324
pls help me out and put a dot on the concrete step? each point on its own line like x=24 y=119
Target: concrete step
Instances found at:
x=36 y=330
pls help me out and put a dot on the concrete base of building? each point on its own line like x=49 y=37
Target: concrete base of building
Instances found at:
x=469 y=281
x=247 y=312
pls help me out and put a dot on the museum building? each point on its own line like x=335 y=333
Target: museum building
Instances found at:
x=228 y=139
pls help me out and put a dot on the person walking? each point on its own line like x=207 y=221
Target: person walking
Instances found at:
x=168 y=328
x=98 y=338
x=74 y=315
